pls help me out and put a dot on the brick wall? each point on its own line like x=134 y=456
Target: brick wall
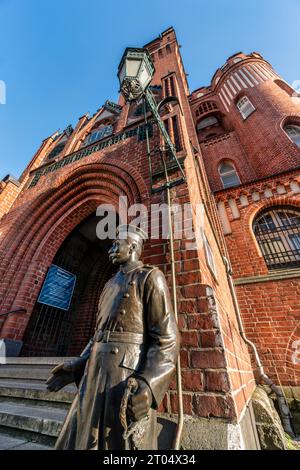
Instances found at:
x=9 y=191
x=257 y=145
x=271 y=316
x=269 y=300
x=266 y=161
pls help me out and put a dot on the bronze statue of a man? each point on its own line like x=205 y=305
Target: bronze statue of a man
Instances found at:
x=136 y=337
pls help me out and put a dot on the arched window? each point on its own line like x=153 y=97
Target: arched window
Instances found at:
x=294 y=133
x=285 y=87
x=98 y=134
x=245 y=107
x=207 y=106
x=228 y=175
x=56 y=151
x=277 y=232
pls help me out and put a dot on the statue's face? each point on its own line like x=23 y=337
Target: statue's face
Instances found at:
x=121 y=251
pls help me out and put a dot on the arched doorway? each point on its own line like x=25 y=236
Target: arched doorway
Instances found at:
x=37 y=231
x=53 y=331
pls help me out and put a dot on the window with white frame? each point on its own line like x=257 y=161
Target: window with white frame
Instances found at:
x=245 y=107
x=209 y=256
x=228 y=175
x=293 y=132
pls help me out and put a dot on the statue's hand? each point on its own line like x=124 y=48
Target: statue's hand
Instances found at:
x=62 y=375
x=140 y=403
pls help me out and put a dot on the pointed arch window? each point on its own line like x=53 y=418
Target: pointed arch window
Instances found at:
x=293 y=132
x=277 y=232
x=56 y=151
x=100 y=133
x=228 y=174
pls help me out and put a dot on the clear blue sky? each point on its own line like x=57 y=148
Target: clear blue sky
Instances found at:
x=59 y=58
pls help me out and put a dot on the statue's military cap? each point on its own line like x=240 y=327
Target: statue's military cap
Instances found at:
x=132 y=231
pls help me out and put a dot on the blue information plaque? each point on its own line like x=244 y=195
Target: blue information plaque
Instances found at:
x=58 y=288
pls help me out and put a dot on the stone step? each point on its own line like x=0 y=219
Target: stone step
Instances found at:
x=8 y=442
x=44 y=420
x=36 y=391
x=36 y=369
x=30 y=401
x=27 y=437
x=31 y=414
x=36 y=373
x=27 y=361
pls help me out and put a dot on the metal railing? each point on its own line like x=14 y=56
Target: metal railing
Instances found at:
x=280 y=245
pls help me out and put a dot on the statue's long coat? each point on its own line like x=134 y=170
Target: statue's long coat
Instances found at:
x=135 y=301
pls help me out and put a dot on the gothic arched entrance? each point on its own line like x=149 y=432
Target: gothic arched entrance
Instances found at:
x=38 y=231
x=53 y=331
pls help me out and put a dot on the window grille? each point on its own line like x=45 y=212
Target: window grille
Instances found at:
x=207 y=106
x=278 y=235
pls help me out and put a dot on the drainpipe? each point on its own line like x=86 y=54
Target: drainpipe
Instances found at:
x=282 y=404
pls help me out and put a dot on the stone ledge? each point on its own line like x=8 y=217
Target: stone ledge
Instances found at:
x=52 y=361
x=33 y=394
x=276 y=276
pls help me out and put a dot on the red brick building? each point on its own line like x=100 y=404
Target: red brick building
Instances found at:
x=238 y=140
x=248 y=125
